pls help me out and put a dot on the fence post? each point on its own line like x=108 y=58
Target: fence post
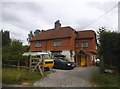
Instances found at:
x=30 y=63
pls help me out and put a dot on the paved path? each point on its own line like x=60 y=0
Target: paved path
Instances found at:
x=78 y=77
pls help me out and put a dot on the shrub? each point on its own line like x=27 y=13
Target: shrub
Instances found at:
x=109 y=49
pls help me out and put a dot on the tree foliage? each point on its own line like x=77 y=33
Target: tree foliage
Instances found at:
x=109 y=49
x=12 y=49
x=37 y=31
x=5 y=38
x=16 y=49
x=32 y=34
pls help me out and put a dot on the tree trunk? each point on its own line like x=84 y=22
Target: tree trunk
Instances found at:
x=18 y=64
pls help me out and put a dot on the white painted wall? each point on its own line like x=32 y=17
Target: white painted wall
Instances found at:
x=67 y=54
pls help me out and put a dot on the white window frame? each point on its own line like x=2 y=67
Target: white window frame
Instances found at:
x=38 y=44
x=84 y=44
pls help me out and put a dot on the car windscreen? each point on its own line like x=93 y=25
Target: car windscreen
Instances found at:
x=62 y=60
x=45 y=56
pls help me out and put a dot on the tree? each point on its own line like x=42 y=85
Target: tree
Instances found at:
x=6 y=41
x=100 y=31
x=17 y=51
x=6 y=53
x=26 y=48
x=5 y=38
x=30 y=35
x=12 y=50
x=37 y=31
x=109 y=49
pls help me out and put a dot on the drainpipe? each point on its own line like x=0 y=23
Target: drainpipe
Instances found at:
x=70 y=55
x=46 y=46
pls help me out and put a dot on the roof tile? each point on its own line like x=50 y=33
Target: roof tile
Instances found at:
x=85 y=34
x=52 y=34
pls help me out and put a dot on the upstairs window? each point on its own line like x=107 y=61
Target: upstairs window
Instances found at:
x=84 y=44
x=57 y=43
x=38 y=44
x=77 y=44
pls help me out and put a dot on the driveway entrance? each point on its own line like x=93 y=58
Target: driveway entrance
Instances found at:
x=78 y=77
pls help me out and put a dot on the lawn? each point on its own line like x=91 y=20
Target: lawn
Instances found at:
x=15 y=76
x=105 y=79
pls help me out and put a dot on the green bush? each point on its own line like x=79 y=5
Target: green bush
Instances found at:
x=14 y=76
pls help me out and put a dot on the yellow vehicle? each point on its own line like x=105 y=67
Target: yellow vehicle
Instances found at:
x=47 y=61
x=44 y=57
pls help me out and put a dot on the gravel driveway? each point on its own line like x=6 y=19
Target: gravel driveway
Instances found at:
x=78 y=77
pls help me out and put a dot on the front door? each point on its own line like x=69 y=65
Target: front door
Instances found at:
x=83 y=62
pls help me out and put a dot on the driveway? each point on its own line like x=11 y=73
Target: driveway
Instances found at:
x=78 y=77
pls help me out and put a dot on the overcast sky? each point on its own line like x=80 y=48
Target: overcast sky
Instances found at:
x=20 y=17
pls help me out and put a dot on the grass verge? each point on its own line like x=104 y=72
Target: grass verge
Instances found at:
x=105 y=79
x=14 y=76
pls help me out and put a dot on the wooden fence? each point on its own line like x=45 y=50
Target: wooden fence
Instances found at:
x=16 y=63
x=32 y=64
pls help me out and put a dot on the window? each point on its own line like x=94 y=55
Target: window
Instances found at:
x=38 y=44
x=57 y=43
x=77 y=44
x=84 y=44
x=46 y=56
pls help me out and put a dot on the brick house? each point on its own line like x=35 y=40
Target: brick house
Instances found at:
x=85 y=48
x=66 y=41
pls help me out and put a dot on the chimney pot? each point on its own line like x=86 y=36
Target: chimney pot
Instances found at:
x=57 y=24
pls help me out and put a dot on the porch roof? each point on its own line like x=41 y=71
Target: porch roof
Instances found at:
x=87 y=52
x=82 y=51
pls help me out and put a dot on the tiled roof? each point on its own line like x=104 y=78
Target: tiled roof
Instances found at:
x=85 y=34
x=62 y=32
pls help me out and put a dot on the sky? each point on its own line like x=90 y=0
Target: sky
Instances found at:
x=22 y=16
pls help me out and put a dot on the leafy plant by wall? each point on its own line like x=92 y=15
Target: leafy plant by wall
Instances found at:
x=109 y=49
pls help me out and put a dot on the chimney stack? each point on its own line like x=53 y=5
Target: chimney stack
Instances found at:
x=57 y=24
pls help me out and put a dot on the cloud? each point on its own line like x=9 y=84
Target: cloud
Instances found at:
x=21 y=17
x=104 y=6
x=19 y=14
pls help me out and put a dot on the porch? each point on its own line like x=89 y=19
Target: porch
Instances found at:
x=85 y=58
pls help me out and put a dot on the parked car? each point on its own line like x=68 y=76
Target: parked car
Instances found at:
x=62 y=64
x=59 y=56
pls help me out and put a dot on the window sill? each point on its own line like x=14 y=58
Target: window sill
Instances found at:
x=57 y=46
x=38 y=47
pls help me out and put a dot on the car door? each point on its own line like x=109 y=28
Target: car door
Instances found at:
x=57 y=63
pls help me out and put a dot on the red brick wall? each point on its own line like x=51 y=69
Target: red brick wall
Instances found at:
x=91 y=44
x=67 y=44
x=72 y=41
